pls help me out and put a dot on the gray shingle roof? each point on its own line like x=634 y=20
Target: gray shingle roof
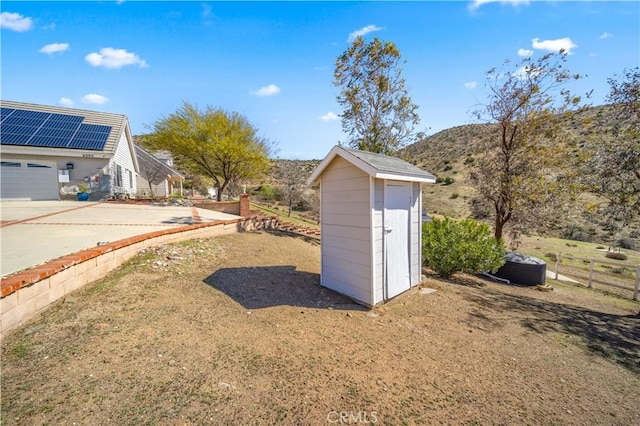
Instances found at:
x=386 y=164
x=377 y=165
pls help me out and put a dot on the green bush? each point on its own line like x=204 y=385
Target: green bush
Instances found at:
x=450 y=246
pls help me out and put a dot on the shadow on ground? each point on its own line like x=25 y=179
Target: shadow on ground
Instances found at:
x=614 y=337
x=266 y=286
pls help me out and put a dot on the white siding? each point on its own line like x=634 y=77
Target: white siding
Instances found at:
x=123 y=157
x=159 y=190
x=346 y=233
x=378 y=243
x=415 y=235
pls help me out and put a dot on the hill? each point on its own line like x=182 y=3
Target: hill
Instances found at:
x=450 y=155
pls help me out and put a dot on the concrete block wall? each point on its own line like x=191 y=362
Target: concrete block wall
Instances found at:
x=30 y=291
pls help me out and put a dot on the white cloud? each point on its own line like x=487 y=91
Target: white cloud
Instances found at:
x=363 y=31
x=330 y=116
x=471 y=84
x=114 y=58
x=54 y=47
x=606 y=35
x=554 y=45
x=525 y=53
x=474 y=5
x=269 y=90
x=94 y=99
x=66 y=102
x=525 y=71
x=15 y=22
x=206 y=10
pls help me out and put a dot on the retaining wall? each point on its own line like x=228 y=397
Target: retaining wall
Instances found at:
x=29 y=292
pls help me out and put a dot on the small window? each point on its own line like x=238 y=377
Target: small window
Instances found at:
x=42 y=166
x=10 y=164
x=130 y=179
x=118 y=175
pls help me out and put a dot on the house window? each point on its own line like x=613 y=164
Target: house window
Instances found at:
x=118 y=175
x=10 y=164
x=130 y=179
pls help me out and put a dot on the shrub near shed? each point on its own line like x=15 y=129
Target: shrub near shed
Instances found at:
x=450 y=246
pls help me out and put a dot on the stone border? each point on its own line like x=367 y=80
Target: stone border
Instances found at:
x=30 y=291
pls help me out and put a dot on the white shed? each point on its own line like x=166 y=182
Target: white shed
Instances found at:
x=370 y=219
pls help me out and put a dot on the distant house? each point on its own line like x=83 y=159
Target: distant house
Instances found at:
x=370 y=221
x=157 y=177
x=46 y=148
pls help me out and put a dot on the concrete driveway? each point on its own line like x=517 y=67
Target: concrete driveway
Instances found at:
x=33 y=232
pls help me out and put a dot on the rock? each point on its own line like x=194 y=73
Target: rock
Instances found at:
x=544 y=287
x=225 y=386
x=372 y=315
x=33 y=329
x=427 y=290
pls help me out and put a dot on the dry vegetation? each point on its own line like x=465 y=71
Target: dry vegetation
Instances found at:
x=451 y=153
x=237 y=330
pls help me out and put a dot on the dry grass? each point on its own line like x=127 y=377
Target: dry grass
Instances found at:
x=237 y=330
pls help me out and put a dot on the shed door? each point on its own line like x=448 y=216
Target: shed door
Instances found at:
x=396 y=242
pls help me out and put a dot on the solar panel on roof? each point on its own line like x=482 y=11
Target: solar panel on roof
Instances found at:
x=51 y=130
x=5 y=112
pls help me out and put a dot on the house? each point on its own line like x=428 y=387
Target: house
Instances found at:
x=370 y=219
x=157 y=177
x=46 y=149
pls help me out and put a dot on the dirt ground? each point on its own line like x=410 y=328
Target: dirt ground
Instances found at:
x=237 y=331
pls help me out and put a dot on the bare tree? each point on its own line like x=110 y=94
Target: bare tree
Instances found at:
x=150 y=168
x=613 y=171
x=523 y=170
x=292 y=186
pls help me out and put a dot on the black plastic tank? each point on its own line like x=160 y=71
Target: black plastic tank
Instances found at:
x=523 y=269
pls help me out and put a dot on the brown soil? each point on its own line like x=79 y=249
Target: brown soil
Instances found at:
x=236 y=330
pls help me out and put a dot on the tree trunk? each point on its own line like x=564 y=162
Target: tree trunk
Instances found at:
x=499 y=225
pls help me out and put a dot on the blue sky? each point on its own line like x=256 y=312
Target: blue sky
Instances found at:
x=273 y=61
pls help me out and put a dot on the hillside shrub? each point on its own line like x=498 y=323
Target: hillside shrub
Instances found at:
x=450 y=246
x=577 y=233
x=448 y=181
x=626 y=243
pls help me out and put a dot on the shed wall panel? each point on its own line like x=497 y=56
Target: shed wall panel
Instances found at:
x=378 y=231
x=345 y=223
x=416 y=235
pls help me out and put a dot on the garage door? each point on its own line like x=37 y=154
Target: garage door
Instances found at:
x=28 y=180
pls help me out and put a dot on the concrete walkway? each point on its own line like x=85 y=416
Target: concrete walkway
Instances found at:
x=33 y=232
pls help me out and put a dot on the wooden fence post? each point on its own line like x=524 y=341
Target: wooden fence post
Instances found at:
x=557 y=264
x=636 y=290
x=591 y=273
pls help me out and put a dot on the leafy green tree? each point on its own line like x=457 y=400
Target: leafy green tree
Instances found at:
x=378 y=114
x=220 y=145
x=524 y=171
x=450 y=246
